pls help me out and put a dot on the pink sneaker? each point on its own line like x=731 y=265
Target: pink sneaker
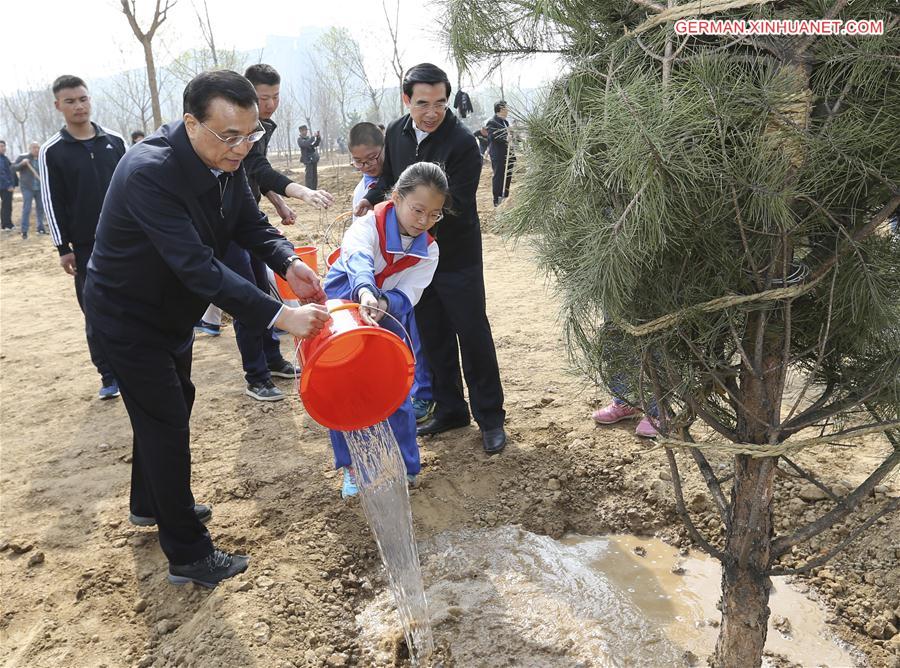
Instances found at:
x=615 y=412
x=645 y=429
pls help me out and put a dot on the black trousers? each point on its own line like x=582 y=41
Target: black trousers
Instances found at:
x=452 y=320
x=501 y=169
x=82 y=255
x=6 y=209
x=312 y=175
x=156 y=387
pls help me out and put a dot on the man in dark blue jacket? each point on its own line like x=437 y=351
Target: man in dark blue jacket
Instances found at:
x=7 y=187
x=175 y=202
x=503 y=159
x=451 y=314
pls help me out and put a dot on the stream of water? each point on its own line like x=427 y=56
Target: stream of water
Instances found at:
x=384 y=496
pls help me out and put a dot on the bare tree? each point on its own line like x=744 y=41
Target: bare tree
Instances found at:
x=19 y=106
x=160 y=14
x=130 y=97
x=334 y=69
x=393 y=31
x=348 y=55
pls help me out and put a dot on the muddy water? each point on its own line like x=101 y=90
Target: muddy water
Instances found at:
x=506 y=597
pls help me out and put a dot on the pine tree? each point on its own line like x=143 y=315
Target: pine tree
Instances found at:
x=715 y=211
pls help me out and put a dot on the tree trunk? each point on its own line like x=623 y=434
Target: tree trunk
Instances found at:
x=747 y=553
x=745 y=588
x=151 y=82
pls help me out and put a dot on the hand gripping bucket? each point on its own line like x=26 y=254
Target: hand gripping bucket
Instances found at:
x=354 y=375
x=309 y=256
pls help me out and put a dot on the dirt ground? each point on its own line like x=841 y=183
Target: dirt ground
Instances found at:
x=82 y=587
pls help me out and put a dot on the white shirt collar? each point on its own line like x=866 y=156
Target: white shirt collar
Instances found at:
x=420 y=134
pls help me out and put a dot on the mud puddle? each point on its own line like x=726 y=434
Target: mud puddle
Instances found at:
x=507 y=597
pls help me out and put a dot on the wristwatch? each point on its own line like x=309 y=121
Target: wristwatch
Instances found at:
x=287 y=264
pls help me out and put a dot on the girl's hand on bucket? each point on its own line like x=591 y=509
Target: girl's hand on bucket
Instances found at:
x=371 y=309
x=303 y=322
x=305 y=283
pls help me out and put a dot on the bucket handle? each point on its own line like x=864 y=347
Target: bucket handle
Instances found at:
x=357 y=306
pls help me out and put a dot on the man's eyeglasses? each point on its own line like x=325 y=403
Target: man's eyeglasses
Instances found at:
x=362 y=164
x=236 y=140
x=437 y=106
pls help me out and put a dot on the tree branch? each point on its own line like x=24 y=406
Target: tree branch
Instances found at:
x=810 y=478
x=715 y=488
x=889 y=507
x=683 y=513
x=851 y=501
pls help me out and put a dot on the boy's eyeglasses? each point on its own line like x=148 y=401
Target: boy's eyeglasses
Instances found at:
x=362 y=164
x=236 y=140
x=424 y=215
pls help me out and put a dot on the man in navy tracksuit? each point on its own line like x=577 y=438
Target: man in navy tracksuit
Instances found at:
x=175 y=202
x=76 y=165
x=451 y=314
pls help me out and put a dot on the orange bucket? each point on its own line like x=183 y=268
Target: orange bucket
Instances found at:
x=332 y=258
x=309 y=255
x=354 y=375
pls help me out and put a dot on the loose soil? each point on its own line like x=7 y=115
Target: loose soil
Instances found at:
x=82 y=587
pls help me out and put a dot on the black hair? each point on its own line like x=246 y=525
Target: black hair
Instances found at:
x=67 y=81
x=207 y=86
x=424 y=73
x=499 y=105
x=365 y=133
x=428 y=174
x=381 y=127
x=303 y=127
x=262 y=74
x=136 y=134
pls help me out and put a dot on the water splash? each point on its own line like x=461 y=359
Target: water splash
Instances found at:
x=381 y=477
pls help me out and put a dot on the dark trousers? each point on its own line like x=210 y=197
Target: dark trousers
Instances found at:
x=156 y=387
x=502 y=175
x=82 y=255
x=6 y=209
x=259 y=347
x=312 y=175
x=452 y=320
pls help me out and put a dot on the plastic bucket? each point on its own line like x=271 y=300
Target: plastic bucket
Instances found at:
x=354 y=375
x=332 y=258
x=309 y=255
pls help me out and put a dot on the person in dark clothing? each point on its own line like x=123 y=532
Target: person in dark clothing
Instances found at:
x=260 y=350
x=27 y=165
x=451 y=314
x=309 y=155
x=503 y=159
x=137 y=137
x=463 y=104
x=175 y=203
x=8 y=183
x=76 y=165
x=483 y=139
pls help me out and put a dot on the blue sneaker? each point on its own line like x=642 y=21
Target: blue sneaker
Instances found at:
x=349 y=489
x=410 y=480
x=204 y=327
x=422 y=409
x=110 y=391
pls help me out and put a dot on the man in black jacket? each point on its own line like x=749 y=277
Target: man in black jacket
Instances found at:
x=309 y=155
x=76 y=165
x=451 y=314
x=503 y=158
x=175 y=202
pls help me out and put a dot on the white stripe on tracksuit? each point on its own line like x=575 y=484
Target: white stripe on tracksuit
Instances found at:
x=46 y=195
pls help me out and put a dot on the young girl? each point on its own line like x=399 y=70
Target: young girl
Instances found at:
x=387 y=260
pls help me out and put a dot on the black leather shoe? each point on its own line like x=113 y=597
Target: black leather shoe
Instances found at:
x=203 y=513
x=209 y=571
x=436 y=425
x=494 y=440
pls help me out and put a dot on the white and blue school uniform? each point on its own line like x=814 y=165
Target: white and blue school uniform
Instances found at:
x=421 y=388
x=376 y=255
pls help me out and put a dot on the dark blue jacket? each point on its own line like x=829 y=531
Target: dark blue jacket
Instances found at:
x=7 y=174
x=164 y=228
